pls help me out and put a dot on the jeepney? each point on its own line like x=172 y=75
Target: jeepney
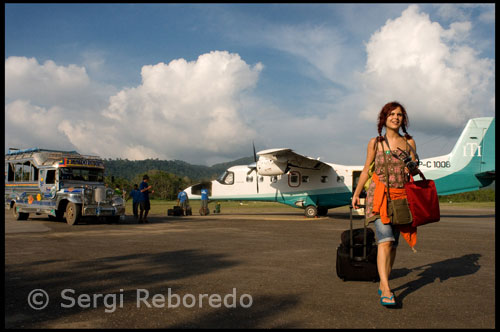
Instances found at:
x=61 y=184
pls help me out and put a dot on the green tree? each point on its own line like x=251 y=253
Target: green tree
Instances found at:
x=164 y=184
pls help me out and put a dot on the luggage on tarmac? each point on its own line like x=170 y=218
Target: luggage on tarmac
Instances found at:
x=175 y=211
x=357 y=254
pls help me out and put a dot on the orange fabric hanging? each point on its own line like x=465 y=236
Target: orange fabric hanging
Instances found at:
x=408 y=232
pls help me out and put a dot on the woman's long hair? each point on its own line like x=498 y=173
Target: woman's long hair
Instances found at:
x=384 y=114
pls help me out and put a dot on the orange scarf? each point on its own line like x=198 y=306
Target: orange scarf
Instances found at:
x=380 y=207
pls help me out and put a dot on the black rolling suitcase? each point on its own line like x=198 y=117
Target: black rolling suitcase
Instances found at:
x=176 y=211
x=357 y=254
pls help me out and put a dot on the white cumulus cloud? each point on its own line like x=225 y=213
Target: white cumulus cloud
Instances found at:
x=186 y=110
x=439 y=78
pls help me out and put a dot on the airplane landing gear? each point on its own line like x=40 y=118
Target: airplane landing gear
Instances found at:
x=322 y=211
x=311 y=211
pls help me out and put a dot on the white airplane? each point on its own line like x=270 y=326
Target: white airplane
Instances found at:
x=281 y=175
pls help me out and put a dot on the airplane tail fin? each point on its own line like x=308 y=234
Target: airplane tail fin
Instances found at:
x=471 y=163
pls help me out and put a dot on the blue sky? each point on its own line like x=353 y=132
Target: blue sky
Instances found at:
x=200 y=82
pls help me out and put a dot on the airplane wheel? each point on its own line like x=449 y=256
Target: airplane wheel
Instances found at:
x=311 y=211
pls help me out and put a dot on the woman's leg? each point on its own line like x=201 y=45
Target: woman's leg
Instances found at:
x=385 y=260
x=386 y=255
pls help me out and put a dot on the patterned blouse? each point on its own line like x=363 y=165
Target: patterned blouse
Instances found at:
x=397 y=177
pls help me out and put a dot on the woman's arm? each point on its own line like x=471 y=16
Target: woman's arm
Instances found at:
x=370 y=157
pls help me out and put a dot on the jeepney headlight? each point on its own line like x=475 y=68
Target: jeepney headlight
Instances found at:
x=87 y=194
x=117 y=200
x=109 y=194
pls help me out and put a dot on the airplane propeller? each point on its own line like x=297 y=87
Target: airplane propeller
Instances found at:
x=256 y=173
x=253 y=167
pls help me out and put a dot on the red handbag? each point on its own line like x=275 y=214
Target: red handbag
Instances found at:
x=423 y=200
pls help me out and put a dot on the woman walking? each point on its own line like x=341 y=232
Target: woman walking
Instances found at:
x=386 y=152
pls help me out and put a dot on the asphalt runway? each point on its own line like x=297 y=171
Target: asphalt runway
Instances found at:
x=241 y=271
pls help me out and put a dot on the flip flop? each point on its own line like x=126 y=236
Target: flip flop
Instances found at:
x=387 y=303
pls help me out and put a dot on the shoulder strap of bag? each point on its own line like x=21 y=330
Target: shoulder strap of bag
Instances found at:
x=387 y=179
x=413 y=150
x=376 y=148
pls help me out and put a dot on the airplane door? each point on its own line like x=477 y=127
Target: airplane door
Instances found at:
x=294 y=179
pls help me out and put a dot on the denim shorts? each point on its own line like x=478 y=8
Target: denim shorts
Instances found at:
x=386 y=233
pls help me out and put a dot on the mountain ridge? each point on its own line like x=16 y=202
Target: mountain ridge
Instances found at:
x=128 y=169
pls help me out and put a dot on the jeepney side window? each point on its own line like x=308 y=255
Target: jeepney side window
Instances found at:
x=50 y=176
x=10 y=172
x=34 y=172
x=26 y=171
x=18 y=173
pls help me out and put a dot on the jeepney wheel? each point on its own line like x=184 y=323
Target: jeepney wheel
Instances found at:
x=311 y=211
x=73 y=213
x=19 y=215
x=59 y=216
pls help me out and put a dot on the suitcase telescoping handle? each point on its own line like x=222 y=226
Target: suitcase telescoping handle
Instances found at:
x=351 y=240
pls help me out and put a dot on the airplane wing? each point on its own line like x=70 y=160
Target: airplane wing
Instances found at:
x=292 y=159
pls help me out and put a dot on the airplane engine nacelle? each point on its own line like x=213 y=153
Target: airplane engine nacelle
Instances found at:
x=270 y=167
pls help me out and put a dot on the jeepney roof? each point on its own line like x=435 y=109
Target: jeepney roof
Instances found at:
x=45 y=157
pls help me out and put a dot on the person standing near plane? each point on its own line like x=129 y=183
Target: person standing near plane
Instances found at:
x=204 y=200
x=136 y=196
x=145 y=204
x=393 y=117
x=182 y=200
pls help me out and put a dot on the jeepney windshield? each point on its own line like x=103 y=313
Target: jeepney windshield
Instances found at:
x=81 y=174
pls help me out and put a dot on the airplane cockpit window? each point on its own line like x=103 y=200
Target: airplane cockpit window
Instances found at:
x=226 y=178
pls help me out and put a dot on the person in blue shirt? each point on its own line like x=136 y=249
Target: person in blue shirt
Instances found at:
x=145 y=205
x=204 y=200
x=136 y=196
x=182 y=200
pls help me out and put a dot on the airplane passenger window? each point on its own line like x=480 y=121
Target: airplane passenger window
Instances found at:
x=324 y=179
x=274 y=179
x=294 y=179
x=340 y=179
x=305 y=179
x=261 y=179
x=249 y=178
